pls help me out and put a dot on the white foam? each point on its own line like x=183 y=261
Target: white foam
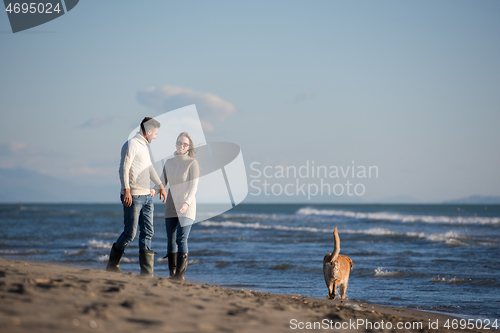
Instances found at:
x=95 y=244
x=384 y=216
x=127 y=260
x=74 y=253
x=30 y=251
x=381 y=273
x=108 y=234
x=105 y=258
x=452 y=280
x=257 y=225
x=371 y=231
x=257 y=216
x=450 y=237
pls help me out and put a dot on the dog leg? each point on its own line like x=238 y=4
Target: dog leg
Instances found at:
x=343 y=289
x=330 y=288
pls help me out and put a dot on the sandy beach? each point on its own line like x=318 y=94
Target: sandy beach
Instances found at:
x=52 y=298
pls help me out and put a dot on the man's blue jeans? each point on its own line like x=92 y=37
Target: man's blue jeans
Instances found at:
x=177 y=235
x=139 y=213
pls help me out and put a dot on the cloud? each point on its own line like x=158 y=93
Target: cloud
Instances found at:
x=211 y=108
x=86 y=170
x=17 y=154
x=97 y=121
x=106 y=168
x=19 y=148
x=304 y=97
x=72 y=166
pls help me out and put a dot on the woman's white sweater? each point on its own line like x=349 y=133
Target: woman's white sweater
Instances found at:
x=181 y=173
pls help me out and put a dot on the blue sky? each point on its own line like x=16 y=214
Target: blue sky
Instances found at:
x=411 y=87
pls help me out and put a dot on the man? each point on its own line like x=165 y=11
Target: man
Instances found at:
x=136 y=172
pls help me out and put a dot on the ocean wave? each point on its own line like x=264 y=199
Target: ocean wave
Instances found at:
x=384 y=216
x=108 y=234
x=95 y=244
x=257 y=216
x=30 y=251
x=475 y=281
x=282 y=267
x=160 y=259
x=257 y=225
x=379 y=272
x=105 y=258
x=450 y=238
x=450 y=280
x=74 y=253
x=372 y=231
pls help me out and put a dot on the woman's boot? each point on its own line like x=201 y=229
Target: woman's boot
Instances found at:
x=114 y=260
x=182 y=262
x=147 y=261
x=172 y=263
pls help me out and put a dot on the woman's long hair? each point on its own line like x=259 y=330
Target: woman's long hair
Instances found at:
x=191 y=150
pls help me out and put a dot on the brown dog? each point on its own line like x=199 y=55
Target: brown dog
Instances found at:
x=336 y=269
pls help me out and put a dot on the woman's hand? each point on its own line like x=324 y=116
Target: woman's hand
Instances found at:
x=183 y=208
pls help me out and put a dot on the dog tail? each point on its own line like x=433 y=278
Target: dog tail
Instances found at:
x=336 y=249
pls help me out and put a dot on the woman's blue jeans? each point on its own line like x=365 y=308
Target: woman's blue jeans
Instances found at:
x=177 y=236
x=140 y=213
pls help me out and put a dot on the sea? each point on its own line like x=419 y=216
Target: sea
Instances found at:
x=442 y=257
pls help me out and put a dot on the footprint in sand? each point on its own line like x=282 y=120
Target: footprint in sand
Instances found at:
x=98 y=309
x=18 y=288
x=145 y=321
x=111 y=290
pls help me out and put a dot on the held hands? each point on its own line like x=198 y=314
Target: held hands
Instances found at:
x=183 y=208
x=163 y=194
x=127 y=198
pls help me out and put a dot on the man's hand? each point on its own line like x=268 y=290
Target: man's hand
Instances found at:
x=184 y=208
x=127 y=198
x=152 y=192
x=163 y=194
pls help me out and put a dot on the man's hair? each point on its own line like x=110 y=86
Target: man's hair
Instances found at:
x=149 y=123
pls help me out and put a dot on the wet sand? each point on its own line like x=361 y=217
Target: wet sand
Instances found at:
x=51 y=298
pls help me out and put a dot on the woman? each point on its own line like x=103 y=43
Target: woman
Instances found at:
x=181 y=172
